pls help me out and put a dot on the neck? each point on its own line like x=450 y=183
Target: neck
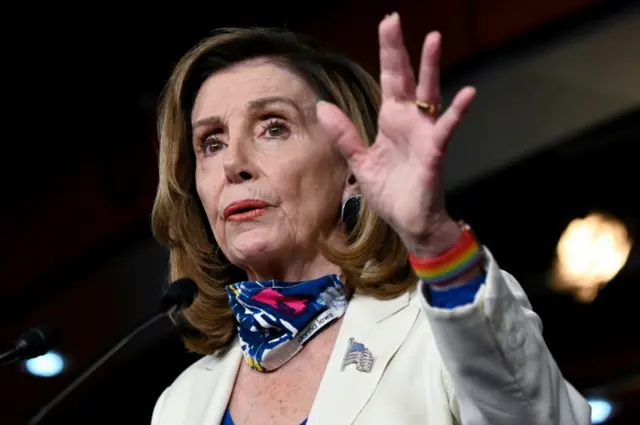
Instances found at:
x=296 y=265
x=294 y=271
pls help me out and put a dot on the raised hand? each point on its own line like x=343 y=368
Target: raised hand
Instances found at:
x=400 y=175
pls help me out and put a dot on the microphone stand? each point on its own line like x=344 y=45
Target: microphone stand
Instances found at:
x=103 y=359
x=9 y=357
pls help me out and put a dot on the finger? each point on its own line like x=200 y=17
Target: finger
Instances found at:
x=447 y=123
x=428 y=89
x=341 y=131
x=396 y=75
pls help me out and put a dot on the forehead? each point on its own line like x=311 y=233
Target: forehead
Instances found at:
x=235 y=87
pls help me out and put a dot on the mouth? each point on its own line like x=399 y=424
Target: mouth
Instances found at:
x=245 y=210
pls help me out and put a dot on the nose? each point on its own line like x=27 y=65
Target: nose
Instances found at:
x=237 y=164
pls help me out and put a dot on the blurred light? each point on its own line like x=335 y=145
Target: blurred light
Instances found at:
x=600 y=411
x=591 y=251
x=46 y=366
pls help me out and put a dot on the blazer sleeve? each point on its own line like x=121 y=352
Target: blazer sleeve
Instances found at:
x=157 y=409
x=497 y=367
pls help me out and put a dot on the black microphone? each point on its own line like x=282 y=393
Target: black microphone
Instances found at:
x=178 y=296
x=33 y=343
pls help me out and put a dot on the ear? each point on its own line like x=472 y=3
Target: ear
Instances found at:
x=351 y=187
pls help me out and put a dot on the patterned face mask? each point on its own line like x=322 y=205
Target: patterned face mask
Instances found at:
x=275 y=319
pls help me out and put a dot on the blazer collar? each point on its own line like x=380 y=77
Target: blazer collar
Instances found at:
x=211 y=391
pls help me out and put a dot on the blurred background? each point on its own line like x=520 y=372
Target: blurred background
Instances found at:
x=547 y=163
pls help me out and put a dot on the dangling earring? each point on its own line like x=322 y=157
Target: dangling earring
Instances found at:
x=351 y=211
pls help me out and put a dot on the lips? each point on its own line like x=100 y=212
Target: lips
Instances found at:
x=245 y=208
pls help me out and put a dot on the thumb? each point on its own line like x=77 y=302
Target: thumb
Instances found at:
x=341 y=131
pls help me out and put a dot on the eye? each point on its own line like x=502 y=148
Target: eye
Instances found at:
x=210 y=146
x=275 y=128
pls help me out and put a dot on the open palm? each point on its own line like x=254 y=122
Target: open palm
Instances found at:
x=400 y=175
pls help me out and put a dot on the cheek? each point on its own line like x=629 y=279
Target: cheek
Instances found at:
x=317 y=187
x=209 y=194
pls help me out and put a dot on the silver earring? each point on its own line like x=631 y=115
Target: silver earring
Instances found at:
x=351 y=211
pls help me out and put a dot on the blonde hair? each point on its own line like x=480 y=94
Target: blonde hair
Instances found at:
x=375 y=260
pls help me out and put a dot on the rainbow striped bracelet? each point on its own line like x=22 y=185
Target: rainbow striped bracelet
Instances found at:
x=465 y=255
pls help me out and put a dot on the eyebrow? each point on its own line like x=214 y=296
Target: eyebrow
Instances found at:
x=266 y=101
x=254 y=105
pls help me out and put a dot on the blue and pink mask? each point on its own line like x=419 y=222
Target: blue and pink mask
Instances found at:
x=276 y=319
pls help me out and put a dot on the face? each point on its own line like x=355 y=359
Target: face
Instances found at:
x=269 y=180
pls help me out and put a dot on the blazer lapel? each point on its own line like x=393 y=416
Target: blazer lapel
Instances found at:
x=381 y=326
x=210 y=393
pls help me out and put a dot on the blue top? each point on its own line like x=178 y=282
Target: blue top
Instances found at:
x=446 y=298
x=226 y=419
x=455 y=297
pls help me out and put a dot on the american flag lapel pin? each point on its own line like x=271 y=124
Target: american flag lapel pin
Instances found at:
x=359 y=355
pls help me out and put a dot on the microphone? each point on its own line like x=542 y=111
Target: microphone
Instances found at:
x=33 y=343
x=178 y=296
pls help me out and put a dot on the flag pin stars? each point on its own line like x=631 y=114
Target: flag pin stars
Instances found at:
x=359 y=355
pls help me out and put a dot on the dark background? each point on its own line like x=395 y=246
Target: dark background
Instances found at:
x=79 y=174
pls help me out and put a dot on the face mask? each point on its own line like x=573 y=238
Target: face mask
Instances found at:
x=276 y=319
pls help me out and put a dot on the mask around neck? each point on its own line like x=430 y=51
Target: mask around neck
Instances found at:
x=276 y=319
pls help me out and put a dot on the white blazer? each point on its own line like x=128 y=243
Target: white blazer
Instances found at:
x=480 y=364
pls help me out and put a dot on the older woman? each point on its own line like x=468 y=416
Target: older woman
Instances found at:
x=307 y=204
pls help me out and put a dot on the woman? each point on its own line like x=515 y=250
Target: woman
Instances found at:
x=384 y=311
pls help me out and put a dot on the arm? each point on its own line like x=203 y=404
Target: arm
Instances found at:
x=493 y=348
x=497 y=362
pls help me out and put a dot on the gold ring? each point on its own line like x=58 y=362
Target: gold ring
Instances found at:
x=429 y=108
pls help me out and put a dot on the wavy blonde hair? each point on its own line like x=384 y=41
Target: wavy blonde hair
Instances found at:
x=375 y=260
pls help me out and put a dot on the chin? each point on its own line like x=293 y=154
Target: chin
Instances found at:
x=251 y=247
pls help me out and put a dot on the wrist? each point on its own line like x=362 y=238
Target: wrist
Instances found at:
x=456 y=262
x=442 y=237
